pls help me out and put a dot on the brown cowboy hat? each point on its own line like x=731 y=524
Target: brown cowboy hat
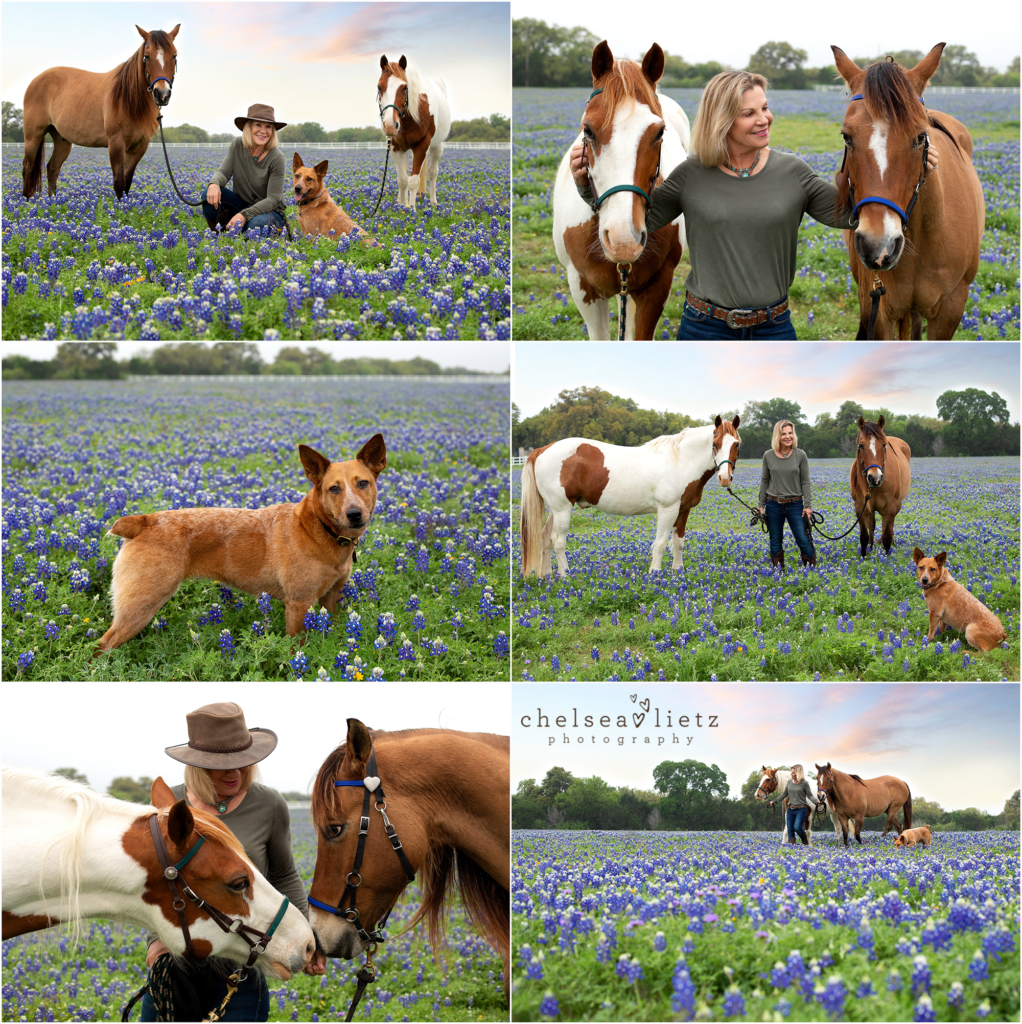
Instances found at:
x=259 y=112
x=218 y=738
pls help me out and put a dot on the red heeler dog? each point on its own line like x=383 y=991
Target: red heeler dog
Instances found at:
x=300 y=552
x=317 y=212
x=950 y=604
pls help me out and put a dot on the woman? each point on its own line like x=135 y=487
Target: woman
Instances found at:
x=785 y=494
x=220 y=777
x=259 y=172
x=743 y=204
x=798 y=794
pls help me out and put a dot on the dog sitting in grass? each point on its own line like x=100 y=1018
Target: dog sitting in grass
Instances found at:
x=911 y=836
x=950 y=604
x=318 y=214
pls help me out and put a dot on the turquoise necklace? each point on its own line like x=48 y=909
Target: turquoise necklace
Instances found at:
x=744 y=172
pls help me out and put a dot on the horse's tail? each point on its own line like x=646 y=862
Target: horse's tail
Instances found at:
x=532 y=519
x=33 y=176
x=906 y=809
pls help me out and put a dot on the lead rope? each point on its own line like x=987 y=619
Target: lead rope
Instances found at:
x=815 y=519
x=386 y=160
x=875 y=294
x=366 y=976
x=622 y=273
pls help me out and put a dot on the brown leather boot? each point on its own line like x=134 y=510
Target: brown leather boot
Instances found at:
x=811 y=560
x=805 y=840
x=780 y=560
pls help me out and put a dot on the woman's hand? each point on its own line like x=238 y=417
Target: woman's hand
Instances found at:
x=807 y=512
x=237 y=221
x=761 y=510
x=317 y=965
x=213 y=196
x=156 y=950
x=578 y=172
x=931 y=160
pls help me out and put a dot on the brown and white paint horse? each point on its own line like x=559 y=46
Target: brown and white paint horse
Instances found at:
x=665 y=476
x=927 y=258
x=881 y=476
x=416 y=118
x=855 y=799
x=69 y=854
x=634 y=137
x=775 y=780
x=115 y=110
x=447 y=798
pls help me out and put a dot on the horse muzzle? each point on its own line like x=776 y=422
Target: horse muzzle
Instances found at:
x=161 y=96
x=875 y=479
x=879 y=254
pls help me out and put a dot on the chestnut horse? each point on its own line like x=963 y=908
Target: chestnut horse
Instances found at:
x=444 y=815
x=881 y=476
x=634 y=138
x=665 y=476
x=69 y=853
x=775 y=780
x=115 y=110
x=416 y=118
x=926 y=258
x=850 y=797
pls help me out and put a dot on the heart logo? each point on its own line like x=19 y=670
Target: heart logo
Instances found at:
x=371 y=782
x=638 y=719
x=644 y=704
x=632 y=697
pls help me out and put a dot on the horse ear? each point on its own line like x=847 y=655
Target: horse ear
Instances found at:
x=297 y=162
x=179 y=823
x=142 y=32
x=384 y=62
x=374 y=454
x=921 y=74
x=941 y=558
x=403 y=62
x=653 y=63
x=717 y=422
x=172 y=34
x=736 y=421
x=846 y=67
x=862 y=423
x=917 y=556
x=315 y=464
x=321 y=168
x=880 y=423
x=161 y=795
x=359 y=742
x=603 y=61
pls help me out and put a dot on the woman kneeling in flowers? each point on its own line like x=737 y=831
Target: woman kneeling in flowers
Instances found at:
x=259 y=172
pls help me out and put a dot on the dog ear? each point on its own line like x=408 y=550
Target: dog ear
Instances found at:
x=384 y=62
x=321 y=167
x=297 y=162
x=374 y=455
x=917 y=556
x=315 y=465
x=940 y=559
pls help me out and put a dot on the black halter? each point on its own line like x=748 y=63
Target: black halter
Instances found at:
x=256 y=939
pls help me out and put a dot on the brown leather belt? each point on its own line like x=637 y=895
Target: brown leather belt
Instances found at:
x=782 y=501
x=738 y=318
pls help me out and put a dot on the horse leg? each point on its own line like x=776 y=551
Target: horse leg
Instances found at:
x=116 y=150
x=32 y=164
x=859 y=819
x=678 y=540
x=867 y=529
x=664 y=522
x=649 y=306
x=949 y=315
x=132 y=160
x=595 y=313
x=416 y=182
x=887 y=532
x=401 y=164
x=61 y=151
x=434 y=169
x=910 y=327
x=561 y=519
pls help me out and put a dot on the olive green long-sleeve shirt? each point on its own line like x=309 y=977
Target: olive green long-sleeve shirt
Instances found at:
x=742 y=232
x=260 y=183
x=785 y=478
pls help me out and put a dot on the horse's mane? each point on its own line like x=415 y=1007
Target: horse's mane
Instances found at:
x=130 y=90
x=625 y=82
x=412 y=77
x=872 y=430
x=889 y=97
x=212 y=828
x=666 y=442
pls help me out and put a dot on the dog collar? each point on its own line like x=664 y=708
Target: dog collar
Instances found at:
x=338 y=537
x=306 y=203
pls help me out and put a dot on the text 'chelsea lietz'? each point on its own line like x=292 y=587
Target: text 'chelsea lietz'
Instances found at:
x=617 y=722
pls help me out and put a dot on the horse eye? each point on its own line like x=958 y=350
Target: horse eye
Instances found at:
x=240 y=885
x=334 y=831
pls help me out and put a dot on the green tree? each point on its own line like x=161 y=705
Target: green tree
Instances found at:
x=971 y=819
x=73 y=774
x=549 y=55
x=557 y=780
x=294 y=797
x=1011 y=811
x=590 y=801
x=973 y=407
x=781 y=64
x=307 y=131
x=89 y=360
x=958 y=66
x=688 y=777
x=239 y=358
x=183 y=133
x=927 y=812
x=126 y=788
x=13 y=126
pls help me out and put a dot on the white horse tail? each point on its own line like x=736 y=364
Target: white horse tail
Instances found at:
x=532 y=520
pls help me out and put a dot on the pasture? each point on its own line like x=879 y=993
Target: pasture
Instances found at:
x=46 y=979
x=81 y=265
x=429 y=594
x=727 y=616
x=823 y=298
x=696 y=925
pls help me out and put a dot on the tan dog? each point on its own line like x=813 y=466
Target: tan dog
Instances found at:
x=911 y=836
x=950 y=604
x=317 y=212
x=301 y=553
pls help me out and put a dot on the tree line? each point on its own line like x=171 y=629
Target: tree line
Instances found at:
x=690 y=796
x=971 y=422
x=97 y=361
x=552 y=55
x=138 y=791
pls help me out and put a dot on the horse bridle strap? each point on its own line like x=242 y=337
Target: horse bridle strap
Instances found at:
x=865 y=469
x=371 y=784
x=172 y=874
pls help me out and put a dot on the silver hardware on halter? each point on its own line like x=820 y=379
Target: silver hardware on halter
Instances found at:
x=179 y=904
x=348 y=881
x=386 y=820
x=258 y=948
x=363 y=829
x=170 y=873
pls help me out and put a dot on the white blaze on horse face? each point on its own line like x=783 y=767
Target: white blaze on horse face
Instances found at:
x=391 y=118
x=878 y=145
x=159 y=57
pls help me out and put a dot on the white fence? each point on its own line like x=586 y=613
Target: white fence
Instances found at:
x=256 y=377
x=518 y=460
x=941 y=90
x=312 y=145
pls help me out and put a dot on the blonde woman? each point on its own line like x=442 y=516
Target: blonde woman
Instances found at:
x=785 y=494
x=743 y=204
x=799 y=796
x=259 y=172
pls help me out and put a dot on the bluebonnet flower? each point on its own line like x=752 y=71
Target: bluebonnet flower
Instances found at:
x=978 y=970
x=226 y=642
x=956 y=995
x=629 y=969
x=299 y=664
x=920 y=974
x=549 y=1007
x=924 y=1010
x=659 y=942
x=257 y=628
x=734 y=1002
x=52 y=630
x=264 y=603
x=25 y=659
x=683 y=991
x=500 y=645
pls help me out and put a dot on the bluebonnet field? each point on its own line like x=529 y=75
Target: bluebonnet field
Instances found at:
x=47 y=979
x=728 y=616
x=427 y=599
x=823 y=294
x=82 y=265
x=731 y=926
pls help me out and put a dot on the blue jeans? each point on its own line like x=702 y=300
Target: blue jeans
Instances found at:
x=696 y=326
x=230 y=204
x=250 y=1002
x=776 y=514
x=795 y=820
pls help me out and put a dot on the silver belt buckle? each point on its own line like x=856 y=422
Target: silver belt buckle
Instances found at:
x=736 y=312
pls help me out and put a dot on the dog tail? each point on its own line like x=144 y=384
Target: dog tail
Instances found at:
x=131 y=526
x=532 y=520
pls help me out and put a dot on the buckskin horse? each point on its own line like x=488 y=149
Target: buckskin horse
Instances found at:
x=115 y=109
x=69 y=853
x=665 y=476
x=880 y=476
x=633 y=139
x=419 y=124
x=851 y=797
x=916 y=234
x=447 y=793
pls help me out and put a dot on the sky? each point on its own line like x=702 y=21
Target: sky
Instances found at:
x=702 y=380
x=309 y=61
x=485 y=356
x=731 y=34
x=957 y=745
x=106 y=730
